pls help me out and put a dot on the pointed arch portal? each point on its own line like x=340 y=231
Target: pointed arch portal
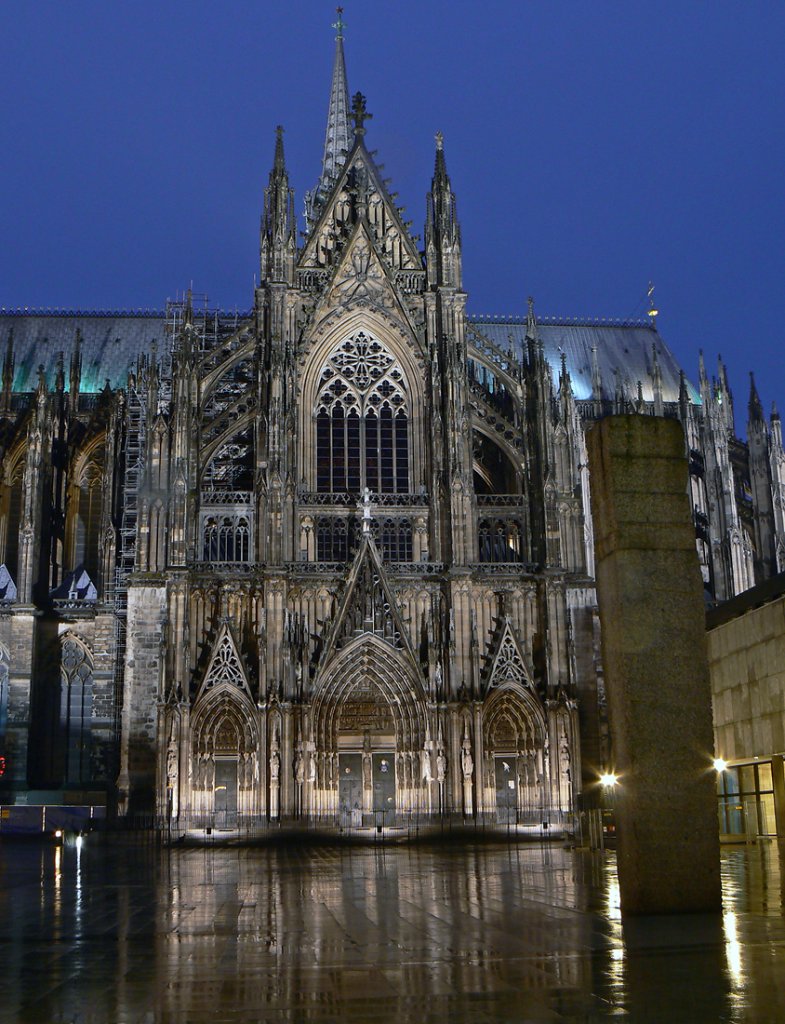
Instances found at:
x=370 y=722
x=225 y=770
x=514 y=740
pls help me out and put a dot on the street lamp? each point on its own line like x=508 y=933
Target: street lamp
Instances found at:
x=608 y=779
x=720 y=765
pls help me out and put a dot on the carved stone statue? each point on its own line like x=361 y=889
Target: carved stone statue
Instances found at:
x=564 y=758
x=437 y=679
x=427 y=771
x=275 y=765
x=441 y=766
x=171 y=764
x=299 y=767
x=467 y=762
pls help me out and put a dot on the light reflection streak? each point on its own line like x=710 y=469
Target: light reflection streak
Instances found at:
x=614 y=898
x=733 y=948
x=78 y=907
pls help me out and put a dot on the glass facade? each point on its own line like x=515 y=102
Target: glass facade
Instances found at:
x=746 y=800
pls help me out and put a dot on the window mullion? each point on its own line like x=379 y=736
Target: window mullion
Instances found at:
x=346 y=449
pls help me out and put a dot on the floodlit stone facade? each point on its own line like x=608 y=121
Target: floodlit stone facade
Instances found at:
x=332 y=557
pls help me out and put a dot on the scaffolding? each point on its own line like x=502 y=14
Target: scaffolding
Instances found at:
x=211 y=325
x=212 y=328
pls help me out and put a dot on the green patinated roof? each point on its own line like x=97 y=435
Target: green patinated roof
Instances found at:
x=111 y=343
x=624 y=349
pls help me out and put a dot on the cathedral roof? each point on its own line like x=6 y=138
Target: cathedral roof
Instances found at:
x=112 y=342
x=624 y=348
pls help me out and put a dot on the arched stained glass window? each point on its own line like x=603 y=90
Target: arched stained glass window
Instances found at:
x=362 y=420
x=226 y=538
x=500 y=540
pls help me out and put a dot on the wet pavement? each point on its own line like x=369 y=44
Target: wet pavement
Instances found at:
x=480 y=933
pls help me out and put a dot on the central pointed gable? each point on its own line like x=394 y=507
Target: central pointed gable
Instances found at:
x=360 y=193
x=368 y=606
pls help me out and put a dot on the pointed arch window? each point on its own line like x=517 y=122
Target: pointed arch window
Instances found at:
x=76 y=695
x=499 y=540
x=87 y=520
x=226 y=538
x=362 y=420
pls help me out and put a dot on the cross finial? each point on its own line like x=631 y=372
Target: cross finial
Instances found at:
x=359 y=114
x=439 y=140
x=340 y=24
x=652 y=311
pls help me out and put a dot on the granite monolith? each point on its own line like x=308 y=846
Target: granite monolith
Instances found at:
x=650 y=595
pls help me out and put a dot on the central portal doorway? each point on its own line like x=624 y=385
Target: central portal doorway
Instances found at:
x=366 y=757
x=225 y=793
x=366 y=788
x=350 y=790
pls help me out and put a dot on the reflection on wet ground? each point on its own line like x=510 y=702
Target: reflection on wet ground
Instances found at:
x=477 y=933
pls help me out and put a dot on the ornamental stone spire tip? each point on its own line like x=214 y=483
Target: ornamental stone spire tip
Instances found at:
x=336 y=138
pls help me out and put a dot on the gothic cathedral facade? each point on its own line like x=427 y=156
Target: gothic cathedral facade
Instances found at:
x=332 y=559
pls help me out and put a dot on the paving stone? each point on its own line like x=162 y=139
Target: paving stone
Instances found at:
x=471 y=933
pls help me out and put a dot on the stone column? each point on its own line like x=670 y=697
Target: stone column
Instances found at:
x=778 y=779
x=650 y=596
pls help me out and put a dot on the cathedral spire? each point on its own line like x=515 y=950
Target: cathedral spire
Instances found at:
x=596 y=375
x=75 y=373
x=684 y=398
x=277 y=244
x=725 y=393
x=442 y=231
x=656 y=378
x=532 y=333
x=8 y=372
x=755 y=406
x=337 y=136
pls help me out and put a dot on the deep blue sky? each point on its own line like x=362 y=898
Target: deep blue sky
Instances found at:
x=592 y=147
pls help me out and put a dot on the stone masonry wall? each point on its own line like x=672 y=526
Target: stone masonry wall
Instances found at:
x=146 y=614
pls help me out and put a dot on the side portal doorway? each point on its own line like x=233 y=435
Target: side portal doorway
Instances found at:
x=506 y=789
x=384 y=788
